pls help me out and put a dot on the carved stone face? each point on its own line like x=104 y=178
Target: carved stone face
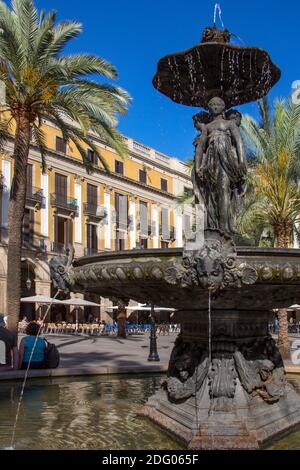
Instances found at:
x=183 y=365
x=216 y=106
x=210 y=272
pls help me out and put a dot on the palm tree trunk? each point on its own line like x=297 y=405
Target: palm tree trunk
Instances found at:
x=15 y=220
x=282 y=233
x=283 y=342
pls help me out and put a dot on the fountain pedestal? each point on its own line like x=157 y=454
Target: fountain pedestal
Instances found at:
x=240 y=400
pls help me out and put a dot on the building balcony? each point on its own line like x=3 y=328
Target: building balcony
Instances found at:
x=59 y=248
x=92 y=210
x=64 y=203
x=31 y=242
x=91 y=251
x=167 y=234
x=34 y=197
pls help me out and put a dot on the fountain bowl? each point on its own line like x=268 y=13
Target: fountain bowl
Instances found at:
x=226 y=386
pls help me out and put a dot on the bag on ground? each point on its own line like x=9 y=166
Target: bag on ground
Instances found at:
x=51 y=360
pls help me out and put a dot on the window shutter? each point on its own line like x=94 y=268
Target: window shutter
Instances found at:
x=61 y=187
x=69 y=232
x=165 y=223
x=123 y=212
x=144 y=218
x=29 y=179
x=92 y=194
x=187 y=227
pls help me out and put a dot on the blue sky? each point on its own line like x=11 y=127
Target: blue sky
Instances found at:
x=135 y=34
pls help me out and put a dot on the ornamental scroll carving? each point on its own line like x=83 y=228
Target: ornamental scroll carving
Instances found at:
x=214 y=266
x=60 y=270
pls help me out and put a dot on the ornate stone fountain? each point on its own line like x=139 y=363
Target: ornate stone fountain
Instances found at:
x=226 y=387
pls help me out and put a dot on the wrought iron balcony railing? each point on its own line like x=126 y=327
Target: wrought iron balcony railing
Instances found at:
x=34 y=196
x=95 y=211
x=91 y=251
x=31 y=242
x=61 y=201
x=167 y=233
x=58 y=247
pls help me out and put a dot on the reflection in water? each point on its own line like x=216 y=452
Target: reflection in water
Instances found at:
x=90 y=413
x=83 y=413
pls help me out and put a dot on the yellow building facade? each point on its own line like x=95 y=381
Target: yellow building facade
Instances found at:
x=131 y=206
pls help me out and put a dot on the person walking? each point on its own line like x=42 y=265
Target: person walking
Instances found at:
x=27 y=344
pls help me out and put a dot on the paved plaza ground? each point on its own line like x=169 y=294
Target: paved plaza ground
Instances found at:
x=104 y=355
x=85 y=355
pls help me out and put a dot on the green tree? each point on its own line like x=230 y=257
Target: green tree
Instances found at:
x=273 y=201
x=41 y=82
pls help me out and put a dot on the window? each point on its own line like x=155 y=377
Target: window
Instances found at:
x=63 y=231
x=92 y=157
x=61 y=145
x=92 y=192
x=165 y=244
x=121 y=211
x=165 y=232
x=187 y=191
x=163 y=184
x=143 y=176
x=144 y=243
x=61 y=187
x=120 y=241
x=28 y=225
x=187 y=226
x=92 y=238
x=29 y=179
x=119 y=167
x=143 y=219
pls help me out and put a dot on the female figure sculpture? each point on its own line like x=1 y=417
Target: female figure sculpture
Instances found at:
x=220 y=165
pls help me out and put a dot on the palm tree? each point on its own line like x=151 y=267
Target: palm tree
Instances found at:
x=274 y=198
x=41 y=82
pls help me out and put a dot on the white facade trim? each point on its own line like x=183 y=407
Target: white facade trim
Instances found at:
x=6 y=172
x=78 y=218
x=107 y=227
x=45 y=208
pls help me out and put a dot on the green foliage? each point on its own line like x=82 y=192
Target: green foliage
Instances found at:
x=273 y=199
x=44 y=83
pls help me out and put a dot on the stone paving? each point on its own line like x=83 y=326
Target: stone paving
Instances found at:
x=85 y=355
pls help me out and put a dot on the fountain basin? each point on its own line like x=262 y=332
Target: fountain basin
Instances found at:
x=151 y=275
x=236 y=74
x=226 y=387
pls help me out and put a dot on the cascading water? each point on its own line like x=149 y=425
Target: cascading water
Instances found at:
x=209 y=327
x=219 y=11
x=11 y=447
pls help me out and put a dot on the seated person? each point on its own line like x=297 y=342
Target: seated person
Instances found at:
x=8 y=348
x=26 y=346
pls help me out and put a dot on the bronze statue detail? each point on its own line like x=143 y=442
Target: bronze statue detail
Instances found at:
x=220 y=166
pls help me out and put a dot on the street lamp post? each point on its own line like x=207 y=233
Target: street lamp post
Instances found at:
x=153 y=354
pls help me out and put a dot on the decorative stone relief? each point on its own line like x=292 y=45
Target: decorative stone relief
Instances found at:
x=188 y=368
x=60 y=267
x=213 y=267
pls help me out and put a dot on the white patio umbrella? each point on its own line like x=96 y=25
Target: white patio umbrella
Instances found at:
x=40 y=299
x=294 y=307
x=79 y=303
